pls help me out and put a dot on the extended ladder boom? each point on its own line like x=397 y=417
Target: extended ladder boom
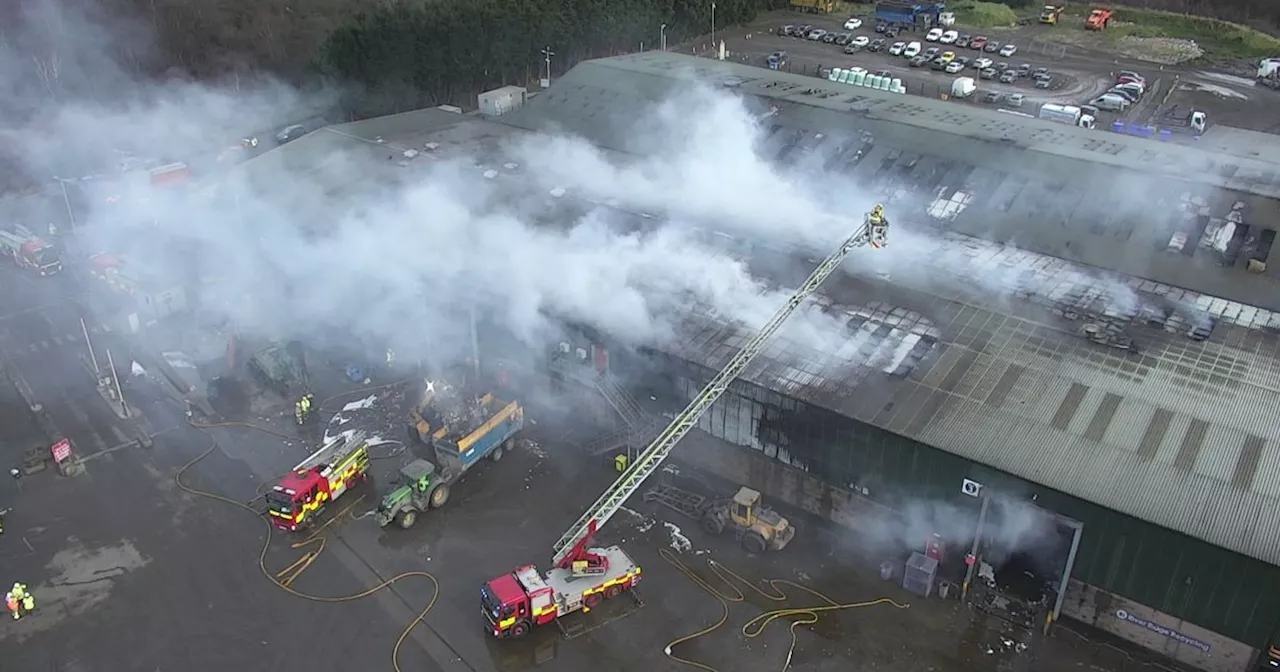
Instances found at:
x=873 y=231
x=333 y=450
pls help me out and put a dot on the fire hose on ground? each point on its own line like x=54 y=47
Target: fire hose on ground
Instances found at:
x=314 y=543
x=773 y=591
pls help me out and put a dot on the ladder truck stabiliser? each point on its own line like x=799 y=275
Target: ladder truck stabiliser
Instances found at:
x=582 y=577
x=31 y=251
x=297 y=501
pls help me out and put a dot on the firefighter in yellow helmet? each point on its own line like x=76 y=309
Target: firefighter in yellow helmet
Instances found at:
x=879 y=227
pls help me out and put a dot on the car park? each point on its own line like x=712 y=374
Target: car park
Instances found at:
x=1015 y=99
x=991 y=47
x=1008 y=50
x=988 y=73
x=978 y=42
x=843 y=39
x=992 y=97
x=852 y=49
x=947 y=56
x=877 y=44
x=982 y=62
x=1008 y=77
x=853 y=23
x=816 y=34
x=830 y=38
x=931 y=53
x=949 y=37
x=897 y=48
x=938 y=64
x=918 y=61
x=963 y=41
x=912 y=50
x=933 y=35
x=953 y=67
x=1024 y=70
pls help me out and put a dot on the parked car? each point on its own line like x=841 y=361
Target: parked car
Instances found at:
x=1135 y=89
x=785 y=30
x=1001 y=66
x=982 y=62
x=1125 y=93
x=290 y=133
x=931 y=53
x=963 y=41
x=1040 y=72
x=1044 y=82
x=947 y=56
x=918 y=61
x=912 y=50
x=1008 y=77
x=933 y=35
x=1110 y=102
x=897 y=48
x=988 y=73
x=853 y=23
x=843 y=39
x=953 y=67
x=882 y=26
x=877 y=44
x=860 y=41
x=816 y=34
x=891 y=32
x=1130 y=80
x=1008 y=50
x=992 y=97
x=852 y=49
x=830 y=38
x=978 y=42
x=1015 y=99
x=1131 y=75
x=991 y=47
x=949 y=37
x=1024 y=70
x=938 y=64
x=962 y=60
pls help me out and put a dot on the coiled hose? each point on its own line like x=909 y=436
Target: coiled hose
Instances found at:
x=773 y=591
x=315 y=542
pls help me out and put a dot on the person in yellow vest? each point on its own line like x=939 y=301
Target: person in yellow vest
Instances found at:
x=21 y=595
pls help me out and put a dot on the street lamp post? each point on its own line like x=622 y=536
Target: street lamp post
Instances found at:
x=662 y=37
x=546 y=55
x=713 y=25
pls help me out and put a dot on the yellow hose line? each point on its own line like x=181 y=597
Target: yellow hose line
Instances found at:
x=731 y=592
x=284 y=578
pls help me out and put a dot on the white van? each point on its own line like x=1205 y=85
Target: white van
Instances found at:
x=912 y=50
x=933 y=35
x=1110 y=102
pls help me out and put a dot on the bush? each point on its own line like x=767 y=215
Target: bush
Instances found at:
x=984 y=14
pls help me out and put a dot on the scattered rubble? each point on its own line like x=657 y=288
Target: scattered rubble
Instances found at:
x=1163 y=50
x=679 y=542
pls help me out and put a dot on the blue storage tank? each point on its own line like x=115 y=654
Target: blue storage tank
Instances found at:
x=1117 y=126
x=1165 y=135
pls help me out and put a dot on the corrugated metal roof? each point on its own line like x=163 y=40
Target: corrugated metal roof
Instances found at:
x=1107 y=200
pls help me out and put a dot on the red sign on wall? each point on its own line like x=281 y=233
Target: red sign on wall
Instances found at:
x=61 y=451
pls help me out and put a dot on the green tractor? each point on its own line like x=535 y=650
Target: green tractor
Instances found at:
x=417 y=489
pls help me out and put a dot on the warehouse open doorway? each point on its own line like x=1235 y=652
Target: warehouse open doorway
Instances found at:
x=1021 y=562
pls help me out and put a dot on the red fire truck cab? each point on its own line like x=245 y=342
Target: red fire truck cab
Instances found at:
x=30 y=251
x=514 y=603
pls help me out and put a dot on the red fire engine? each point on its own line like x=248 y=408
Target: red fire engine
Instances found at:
x=297 y=501
x=30 y=251
x=516 y=602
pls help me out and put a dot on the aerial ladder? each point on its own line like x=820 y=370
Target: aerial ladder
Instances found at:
x=571 y=552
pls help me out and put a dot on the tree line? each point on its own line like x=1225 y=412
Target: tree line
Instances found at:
x=405 y=56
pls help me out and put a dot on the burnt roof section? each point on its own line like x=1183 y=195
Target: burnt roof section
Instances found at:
x=1112 y=201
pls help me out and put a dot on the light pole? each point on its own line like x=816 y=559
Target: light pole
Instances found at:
x=713 y=25
x=546 y=55
x=662 y=36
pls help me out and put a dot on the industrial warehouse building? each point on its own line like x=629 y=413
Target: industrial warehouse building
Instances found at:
x=972 y=386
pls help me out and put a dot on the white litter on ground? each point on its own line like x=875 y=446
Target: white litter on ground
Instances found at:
x=646 y=523
x=1214 y=89
x=360 y=404
x=678 y=541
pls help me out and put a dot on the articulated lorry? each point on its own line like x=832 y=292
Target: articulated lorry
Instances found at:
x=461 y=428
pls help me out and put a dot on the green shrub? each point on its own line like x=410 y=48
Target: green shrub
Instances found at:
x=1219 y=39
x=984 y=14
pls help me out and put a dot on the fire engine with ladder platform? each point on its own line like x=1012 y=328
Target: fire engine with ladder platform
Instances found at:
x=300 y=497
x=31 y=251
x=582 y=577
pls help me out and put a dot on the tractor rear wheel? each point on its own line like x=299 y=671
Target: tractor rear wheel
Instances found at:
x=753 y=542
x=439 y=495
x=407 y=518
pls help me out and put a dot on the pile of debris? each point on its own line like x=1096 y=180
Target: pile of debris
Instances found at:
x=1164 y=50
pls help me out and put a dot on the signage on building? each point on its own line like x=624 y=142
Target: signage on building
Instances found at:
x=1134 y=619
